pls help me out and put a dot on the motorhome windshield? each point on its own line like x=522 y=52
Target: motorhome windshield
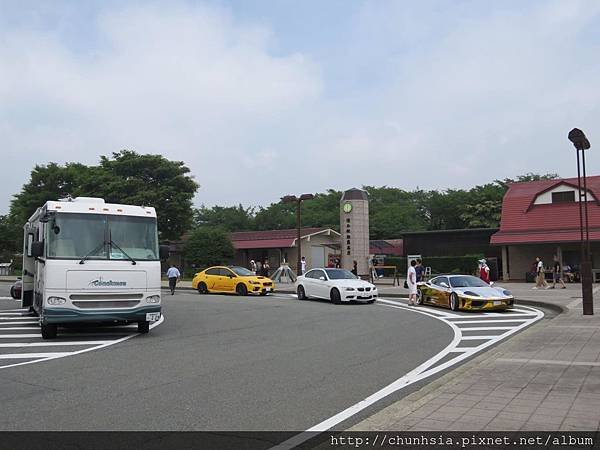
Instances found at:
x=100 y=236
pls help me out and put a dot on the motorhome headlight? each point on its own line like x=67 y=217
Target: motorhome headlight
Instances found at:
x=153 y=299
x=56 y=300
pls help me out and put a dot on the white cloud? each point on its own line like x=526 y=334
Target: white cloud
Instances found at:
x=431 y=95
x=187 y=82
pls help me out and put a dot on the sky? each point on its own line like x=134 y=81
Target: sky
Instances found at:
x=266 y=98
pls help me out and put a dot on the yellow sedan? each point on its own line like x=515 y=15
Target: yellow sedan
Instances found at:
x=233 y=280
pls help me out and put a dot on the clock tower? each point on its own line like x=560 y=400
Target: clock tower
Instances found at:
x=354 y=230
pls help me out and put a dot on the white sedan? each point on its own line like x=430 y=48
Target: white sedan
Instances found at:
x=337 y=285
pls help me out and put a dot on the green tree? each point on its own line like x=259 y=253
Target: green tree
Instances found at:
x=231 y=218
x=127 y=178
x=150 y=180
x=208 y=247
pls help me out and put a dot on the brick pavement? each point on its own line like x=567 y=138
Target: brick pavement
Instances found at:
x=545 y=378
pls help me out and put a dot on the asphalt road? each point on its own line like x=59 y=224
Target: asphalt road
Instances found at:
x=224 y=363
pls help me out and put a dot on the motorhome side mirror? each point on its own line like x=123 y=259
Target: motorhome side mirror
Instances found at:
x=163 y=251
x=37 y=249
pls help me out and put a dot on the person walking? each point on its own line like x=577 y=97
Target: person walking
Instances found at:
x=540 y=278
x=411 y=281
x=484 y=271
x=354 y=268
x=252 y=266
x=173 y=275
x=556 y=274
x=302 y=265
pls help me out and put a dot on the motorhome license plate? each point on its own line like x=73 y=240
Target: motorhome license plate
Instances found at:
x=152 y=317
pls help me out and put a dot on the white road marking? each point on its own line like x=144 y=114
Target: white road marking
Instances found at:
x=16 y=318
x=507 y=319
x=36 y=357
x=18 y=323
x=7 y=298
x=425 y=370
x=18 y=328
x=10 y=314
x=25 y=311
x=13 y=336
x=51 y=344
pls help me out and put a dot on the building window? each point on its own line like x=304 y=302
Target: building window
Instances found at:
x=563 y=197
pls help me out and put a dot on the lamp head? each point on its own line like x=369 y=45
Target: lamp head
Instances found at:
x=579 y=140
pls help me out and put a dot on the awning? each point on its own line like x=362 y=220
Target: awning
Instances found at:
x=540 y=236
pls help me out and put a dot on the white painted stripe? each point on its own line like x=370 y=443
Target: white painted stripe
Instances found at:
x=17 y=318
x=487 y=321
x=10 y=314
x=460 y=350
x=34 y=355
x=478 y=338
x=18 y=323
x=437 y=312
x=13 y=336
x=96 y=347
x=575 y=303
x=51 y=344
x=485 y=328
x=18 y=328
x=24 y=310
x=8 y=298
x=551 y=361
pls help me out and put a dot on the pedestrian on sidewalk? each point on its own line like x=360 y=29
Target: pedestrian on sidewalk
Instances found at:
x=173 y=275
x=354 y=268
x=484 y=271
x=556 y=274
x=540 y=279
x=252 y=266
x=302 y=265
x=411 y=281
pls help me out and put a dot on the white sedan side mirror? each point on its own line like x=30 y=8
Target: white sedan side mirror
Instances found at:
x=322 y=278
x=444 y=285
x=491 y=283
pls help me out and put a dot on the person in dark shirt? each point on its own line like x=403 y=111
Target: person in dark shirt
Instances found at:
x=354 y=268
x=556 y=274
x=419 y=270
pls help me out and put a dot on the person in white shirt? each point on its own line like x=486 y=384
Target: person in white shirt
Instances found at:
x=302 y=266
x=173 y=275
x=540 y=278
x=411 y=281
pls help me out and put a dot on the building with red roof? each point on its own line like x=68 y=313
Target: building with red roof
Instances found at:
x=278 y=246
x=541 y=219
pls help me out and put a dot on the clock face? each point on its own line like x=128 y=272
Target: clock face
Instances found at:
x=347 y=207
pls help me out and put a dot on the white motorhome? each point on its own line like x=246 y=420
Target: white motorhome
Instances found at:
x=85 y=260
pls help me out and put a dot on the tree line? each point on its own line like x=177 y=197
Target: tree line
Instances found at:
x=143 y=179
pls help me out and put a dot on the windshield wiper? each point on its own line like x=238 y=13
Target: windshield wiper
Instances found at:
x=92 y=252
x=113 y=243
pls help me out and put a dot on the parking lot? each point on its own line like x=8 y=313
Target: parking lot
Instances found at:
x=233 y=363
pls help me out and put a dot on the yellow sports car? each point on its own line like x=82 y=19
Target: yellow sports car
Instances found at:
x=232 y=279
x=463 y=292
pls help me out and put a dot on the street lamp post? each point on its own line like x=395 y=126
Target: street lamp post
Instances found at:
x=298 y=201
x=581 y=143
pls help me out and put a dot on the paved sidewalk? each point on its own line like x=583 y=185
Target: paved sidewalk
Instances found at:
x=545 y=378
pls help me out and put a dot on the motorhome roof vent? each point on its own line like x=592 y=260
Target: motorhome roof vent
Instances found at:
x=88 y=200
